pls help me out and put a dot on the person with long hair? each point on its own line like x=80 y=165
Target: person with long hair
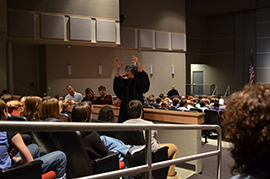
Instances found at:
x=246 y=124
x=50 y=110
x=31 y=108
x=13 y=151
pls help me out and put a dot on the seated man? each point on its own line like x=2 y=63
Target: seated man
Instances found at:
x=104 y=98
x=77 y=97
x=135 y=111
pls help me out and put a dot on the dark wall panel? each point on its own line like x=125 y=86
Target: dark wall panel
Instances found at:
x=21 y=24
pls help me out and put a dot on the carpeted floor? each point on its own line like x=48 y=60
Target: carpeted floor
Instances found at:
x=209 y=164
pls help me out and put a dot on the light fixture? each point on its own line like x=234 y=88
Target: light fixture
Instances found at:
x=172 y=71
x=100 y=69
x=151 y=69
x=69 y=69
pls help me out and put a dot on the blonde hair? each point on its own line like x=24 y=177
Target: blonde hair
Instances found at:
x=50 y=108
x=67 y=102
x=13 y=104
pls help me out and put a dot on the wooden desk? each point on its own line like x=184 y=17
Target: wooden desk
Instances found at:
x=169 y=116
x=188 y=142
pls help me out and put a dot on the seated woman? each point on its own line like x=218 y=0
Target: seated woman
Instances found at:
x=11 y=143
x=31 y=108
x=49 y=110
x=104 y=98
x=89 y=95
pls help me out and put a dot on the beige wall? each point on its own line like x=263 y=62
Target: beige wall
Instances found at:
x=84 y=66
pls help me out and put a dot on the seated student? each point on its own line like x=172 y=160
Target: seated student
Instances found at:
x=246 y=124
x=67 y=106
x=14 y=107
x=89 y=95
x=50 y=111
x=95 y=145
x=106 y=114
x=12 y=143
x=104 y=98
x=31 y=108
x=135 y=110
x=175 y=103
x=183 y=105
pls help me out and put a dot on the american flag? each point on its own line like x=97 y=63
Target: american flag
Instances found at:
x=251 y=70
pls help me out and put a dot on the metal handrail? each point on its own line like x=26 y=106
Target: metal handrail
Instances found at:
x=228 y=90
x=216 y=89
x=69 y=127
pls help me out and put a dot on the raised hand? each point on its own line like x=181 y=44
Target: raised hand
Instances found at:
x=117 y=63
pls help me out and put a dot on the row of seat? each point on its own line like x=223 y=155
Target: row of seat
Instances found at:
x=79 y=164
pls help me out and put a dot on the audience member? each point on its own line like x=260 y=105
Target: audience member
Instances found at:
x=77 y=97
x=50 y=110
x=203 y=104
x=158 y=102
x=216 y=107
x=12 y=144
x=104 y=98
x=106 y=114
x=31 y=108
x=164 y=104
x=175 y=103
x=246 y=124
x=14 y=107
x=89 y=95
x=183 y=105
x=59 y=97
x=67 y=106
x=99 y=146
x=135 y=110
x=6 y=97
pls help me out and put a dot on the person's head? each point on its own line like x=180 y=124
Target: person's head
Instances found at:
x=3 y=110
x=106 y=114
x=68 y=104
x=131 y=71
x=183 y=103
x=164 y=104
x=70 y=90
x=173 y=87
x=202 y=102
x=14 y=107
x=89 y=92
x=6 y=97
x=102 y=90
x=158 y=100
x=246 y=124
x=31 y=107
x=134 y=109
x=81 y=112
x=175 y=101
x=59 y=97
x=50 y=108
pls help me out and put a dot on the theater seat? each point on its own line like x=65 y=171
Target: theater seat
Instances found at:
x=136 y=138
x=26 y=171
x=78 y=162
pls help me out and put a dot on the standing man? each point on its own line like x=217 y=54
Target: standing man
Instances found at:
x=77 y=97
